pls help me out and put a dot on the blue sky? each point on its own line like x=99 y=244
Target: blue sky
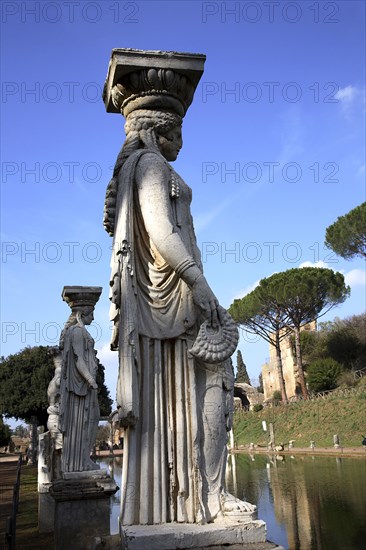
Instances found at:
x=274 y=148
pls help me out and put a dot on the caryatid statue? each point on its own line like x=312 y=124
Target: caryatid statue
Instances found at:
x=175 y=384
x=79 y=409
x=53 y=394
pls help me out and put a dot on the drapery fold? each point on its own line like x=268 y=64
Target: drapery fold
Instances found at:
x=175 y=438
x=160 y=482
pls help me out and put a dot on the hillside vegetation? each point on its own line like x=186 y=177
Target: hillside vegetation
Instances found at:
x=304 y=421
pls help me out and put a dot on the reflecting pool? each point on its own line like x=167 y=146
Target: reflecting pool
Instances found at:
x=308 y=502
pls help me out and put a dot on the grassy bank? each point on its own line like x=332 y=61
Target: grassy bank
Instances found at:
x=317 y=420
x=27 y=536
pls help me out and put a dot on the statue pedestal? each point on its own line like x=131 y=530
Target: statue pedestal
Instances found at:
x=46 y=504
x=187 y=535
x=221 y=535
x=46 y=512
x=82 y=508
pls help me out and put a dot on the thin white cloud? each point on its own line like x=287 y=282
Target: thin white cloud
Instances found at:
x=350 y=98
x=361 y=170
x=355 y=277
x=245 y=291
x=291 y=138
x=347 y=94
x=203 y=220
x=106 y=354
x=250 y=288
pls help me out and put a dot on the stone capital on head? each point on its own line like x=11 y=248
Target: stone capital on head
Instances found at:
x=156 y=80
x=81 y=296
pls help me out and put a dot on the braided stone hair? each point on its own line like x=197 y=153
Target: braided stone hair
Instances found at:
x=142 y=128
x=75 y=318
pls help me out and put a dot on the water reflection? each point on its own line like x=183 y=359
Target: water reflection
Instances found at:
x=114 y=466
x=308 y=503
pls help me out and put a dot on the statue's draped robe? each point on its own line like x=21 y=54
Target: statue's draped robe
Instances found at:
x=79 y=408
x=174 y=409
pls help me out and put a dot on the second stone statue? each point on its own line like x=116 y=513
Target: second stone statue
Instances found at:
x=79 y=409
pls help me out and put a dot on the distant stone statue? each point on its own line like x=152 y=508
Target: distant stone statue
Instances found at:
x=53 y=422
x=79 y=408
x=49 y=448
x=175 y=385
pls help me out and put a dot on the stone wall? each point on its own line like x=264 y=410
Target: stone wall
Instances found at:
x=246 y=396
x=269 y=369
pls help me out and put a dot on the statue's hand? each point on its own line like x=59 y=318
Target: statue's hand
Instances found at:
x=93 y=385
x=205 y=300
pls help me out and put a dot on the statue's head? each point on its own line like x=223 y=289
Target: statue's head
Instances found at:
x=153 y=129
x=85 y=314
x=161 y=130
x=82 y=315
x=82 y=300
x=170 y=143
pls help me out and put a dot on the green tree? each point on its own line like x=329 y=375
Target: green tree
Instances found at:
x=303 y=295
x=241 y=370
x=342 y=346
x=258 y=312
x=357 y=325
x=347 y=236
x=276 y=396
x=103 y=434
x=310 y=346
x=323 y=374
x=24 y=379
x=344 y=340
x=5 y=433
x=105 y=401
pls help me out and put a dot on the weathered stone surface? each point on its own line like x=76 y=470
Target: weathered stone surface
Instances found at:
x=46 y=504
x=80 y=488
x=114 y=543
x=79 y=409
x=46 y=512
x=78 y=522
x=175 y=536
x=178 y=536
x=175 y=400
x=151 y=74
x=248 y=395
x=269 y=370
x=45 y=451
x=53 y=422
x=97 y=475
x=82 y=510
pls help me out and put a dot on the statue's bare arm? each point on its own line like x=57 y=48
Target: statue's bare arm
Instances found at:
x=152 y=179
x=78 y=346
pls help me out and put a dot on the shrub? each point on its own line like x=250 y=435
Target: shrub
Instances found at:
x=277 y=397
x=346 y=378
x=257 y=407
x=4 y=433
x=323 y=374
